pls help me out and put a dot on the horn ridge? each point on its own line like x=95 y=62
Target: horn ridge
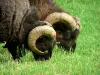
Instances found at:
x=62 y=17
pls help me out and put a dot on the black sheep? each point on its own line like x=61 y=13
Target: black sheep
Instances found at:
x=20 y=27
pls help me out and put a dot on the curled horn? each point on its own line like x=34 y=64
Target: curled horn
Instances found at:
x=35 y=33
x=64 y=18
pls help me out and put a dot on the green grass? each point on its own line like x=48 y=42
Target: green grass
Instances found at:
x=85 y=60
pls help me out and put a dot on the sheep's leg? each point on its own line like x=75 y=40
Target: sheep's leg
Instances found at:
x=12 y=47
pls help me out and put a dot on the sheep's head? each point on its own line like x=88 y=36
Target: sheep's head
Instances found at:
x=41 y=40
x=67 y=29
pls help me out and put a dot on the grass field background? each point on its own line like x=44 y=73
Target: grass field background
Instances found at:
x=85 y=60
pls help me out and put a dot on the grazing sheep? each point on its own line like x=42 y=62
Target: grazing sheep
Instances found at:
x=20 y=27
x=67 y=27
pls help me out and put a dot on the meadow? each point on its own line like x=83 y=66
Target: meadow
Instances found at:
x=85 y=60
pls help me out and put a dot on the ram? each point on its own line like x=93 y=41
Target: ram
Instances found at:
x=66 y=26
x=20 y=28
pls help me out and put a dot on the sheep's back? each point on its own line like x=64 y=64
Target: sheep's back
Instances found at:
x=12 y=13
